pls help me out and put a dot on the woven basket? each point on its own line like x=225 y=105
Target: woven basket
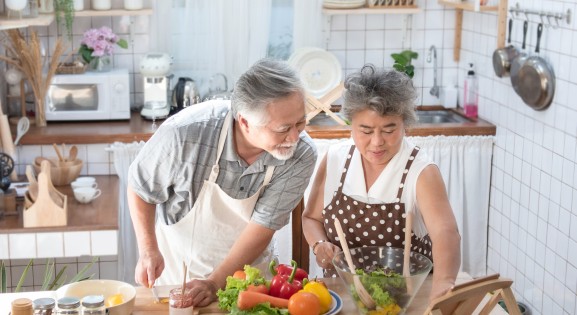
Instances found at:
x=71 y=68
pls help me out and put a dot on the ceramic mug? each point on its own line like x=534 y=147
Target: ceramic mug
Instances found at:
x=86 y=194
x=85 y=181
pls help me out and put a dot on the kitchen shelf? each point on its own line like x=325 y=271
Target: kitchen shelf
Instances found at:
x=41 y=20
x=459 y=7
x=405 y=10
x=47 y=19
x=115 y=12
x=468 y=6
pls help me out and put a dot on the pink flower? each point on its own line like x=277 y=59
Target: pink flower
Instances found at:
x=99 y=42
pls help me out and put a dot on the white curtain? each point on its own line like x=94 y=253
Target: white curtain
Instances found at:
x=308 y=24
x=124 y=154
x=465 y=164
x=206 y=37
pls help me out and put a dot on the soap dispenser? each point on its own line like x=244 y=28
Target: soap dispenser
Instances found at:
x=470 y=94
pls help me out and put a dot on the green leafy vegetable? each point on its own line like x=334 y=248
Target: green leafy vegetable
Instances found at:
x=227 y=298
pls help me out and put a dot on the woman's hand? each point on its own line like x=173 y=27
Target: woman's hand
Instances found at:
x=324 y=254
x=440 y=288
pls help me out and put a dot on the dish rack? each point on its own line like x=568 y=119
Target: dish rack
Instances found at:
x=391 y=3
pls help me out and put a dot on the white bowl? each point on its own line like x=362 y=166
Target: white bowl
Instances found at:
x=106 y=288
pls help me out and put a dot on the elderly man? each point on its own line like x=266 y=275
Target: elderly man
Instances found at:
x=220 y=178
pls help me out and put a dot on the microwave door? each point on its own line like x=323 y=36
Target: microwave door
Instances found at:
x=74 y=101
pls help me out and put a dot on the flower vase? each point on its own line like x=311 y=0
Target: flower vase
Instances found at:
x=100 y=64
x=39 y=114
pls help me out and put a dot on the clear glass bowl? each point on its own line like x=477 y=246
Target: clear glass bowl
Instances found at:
x=392 y=294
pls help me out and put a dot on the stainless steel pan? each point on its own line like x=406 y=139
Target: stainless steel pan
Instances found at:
x=502 y=57
x=519 y=60
x=537 y=79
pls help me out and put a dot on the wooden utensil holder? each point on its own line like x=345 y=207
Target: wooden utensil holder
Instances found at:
x=314 y=106
x=50 y=207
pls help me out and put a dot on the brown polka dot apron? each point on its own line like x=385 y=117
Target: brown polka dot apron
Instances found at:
x=366 y=224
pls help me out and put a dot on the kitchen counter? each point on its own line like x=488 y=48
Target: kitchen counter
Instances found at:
x=144 y=301
x=138 y=129
x=100 y=214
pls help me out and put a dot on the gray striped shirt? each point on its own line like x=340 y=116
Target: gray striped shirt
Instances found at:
x=171 y=168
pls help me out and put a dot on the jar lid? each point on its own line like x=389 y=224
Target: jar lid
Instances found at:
x=68 y=302
x=44 y=303
x=93 y=301
x=21 y=304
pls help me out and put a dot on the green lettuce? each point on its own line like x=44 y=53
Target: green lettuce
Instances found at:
x=227 y=298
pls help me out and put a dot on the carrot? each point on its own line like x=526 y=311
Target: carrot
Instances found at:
x=261 y=288
x=250 y=299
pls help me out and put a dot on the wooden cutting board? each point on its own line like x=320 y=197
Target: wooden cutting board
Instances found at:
x=144 y=303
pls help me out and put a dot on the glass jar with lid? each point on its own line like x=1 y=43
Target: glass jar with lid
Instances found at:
x=93 y=305
x=68 y=306
x=44 y=306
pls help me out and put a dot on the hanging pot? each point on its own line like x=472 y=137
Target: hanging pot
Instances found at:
x=502 y=57
x=518 y=61
x=537 y=79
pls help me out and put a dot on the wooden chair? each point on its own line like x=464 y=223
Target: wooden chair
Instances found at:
x=465 y=298
x=300 y=247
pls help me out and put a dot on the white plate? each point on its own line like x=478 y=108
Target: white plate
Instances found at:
x=319 y=70
x=336 y=305
x=332 y=5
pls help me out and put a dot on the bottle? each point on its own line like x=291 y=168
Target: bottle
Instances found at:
x=93 y=305
x=68 y=306
x=471 y=96
x=22 y=307
x=44 y=306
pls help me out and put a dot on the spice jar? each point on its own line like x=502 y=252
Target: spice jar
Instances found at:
x=180 y=304
x=22 y=307
x=93 y=305
x=44 y=306
x=68 y=306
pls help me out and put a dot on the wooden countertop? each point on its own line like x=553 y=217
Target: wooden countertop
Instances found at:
x=138 y=129
x=100 y=214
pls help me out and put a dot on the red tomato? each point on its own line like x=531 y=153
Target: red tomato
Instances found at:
x=304 y=303
x=239 y=274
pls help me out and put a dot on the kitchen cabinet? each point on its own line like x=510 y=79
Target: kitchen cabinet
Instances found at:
x=459 y=7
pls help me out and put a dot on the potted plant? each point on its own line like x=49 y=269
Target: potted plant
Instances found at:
x=97 y=46
x=403 y=62
x=64 y=12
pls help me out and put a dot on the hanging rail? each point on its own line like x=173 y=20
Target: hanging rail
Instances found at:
x=566 y=16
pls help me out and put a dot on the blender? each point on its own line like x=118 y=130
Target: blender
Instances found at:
x=155 y=69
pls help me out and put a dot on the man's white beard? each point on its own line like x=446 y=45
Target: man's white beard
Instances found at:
x=284 y=151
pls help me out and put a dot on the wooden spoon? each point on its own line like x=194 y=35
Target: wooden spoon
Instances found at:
x=60 y=158
x=365 y=297
x=73 y=153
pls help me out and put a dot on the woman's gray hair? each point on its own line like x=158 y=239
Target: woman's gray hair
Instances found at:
x=266 y=81
x=387 y=92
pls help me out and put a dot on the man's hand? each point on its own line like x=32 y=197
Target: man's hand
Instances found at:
x=149 y=268
x=203 y=291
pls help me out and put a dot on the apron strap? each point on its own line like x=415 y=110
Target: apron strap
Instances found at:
x=221 y=139
x=345 y=169
x=406 y=172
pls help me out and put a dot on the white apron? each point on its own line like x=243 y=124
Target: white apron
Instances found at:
x=204 y=237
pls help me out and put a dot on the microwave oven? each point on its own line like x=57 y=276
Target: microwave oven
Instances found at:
x=89 y=96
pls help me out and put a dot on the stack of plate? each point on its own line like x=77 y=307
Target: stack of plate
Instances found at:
x=343 y=4
x=319 y=70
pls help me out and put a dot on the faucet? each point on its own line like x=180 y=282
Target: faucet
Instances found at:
x=433 y=53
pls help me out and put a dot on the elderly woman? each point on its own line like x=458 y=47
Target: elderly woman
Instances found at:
x=373 y=181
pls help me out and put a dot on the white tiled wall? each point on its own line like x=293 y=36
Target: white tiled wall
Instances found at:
x=533 y=208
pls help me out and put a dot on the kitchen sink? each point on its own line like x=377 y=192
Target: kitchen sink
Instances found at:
x=439 y=117
x=423 y=116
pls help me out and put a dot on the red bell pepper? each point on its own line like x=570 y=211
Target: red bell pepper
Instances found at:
x=284 y=286
x=283 y=269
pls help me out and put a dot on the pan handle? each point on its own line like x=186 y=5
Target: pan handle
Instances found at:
x=539 y=33
x=525 y=28
x=510 y=30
